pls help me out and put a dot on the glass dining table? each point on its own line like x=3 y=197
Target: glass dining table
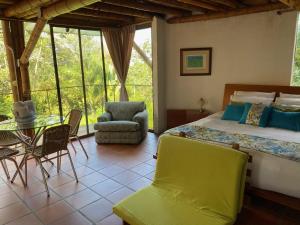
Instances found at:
x=38 y=125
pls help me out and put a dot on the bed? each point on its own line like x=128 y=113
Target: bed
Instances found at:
x=275 y=152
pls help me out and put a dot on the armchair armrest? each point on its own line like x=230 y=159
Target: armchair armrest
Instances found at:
x=104 y=117
x=142 y=119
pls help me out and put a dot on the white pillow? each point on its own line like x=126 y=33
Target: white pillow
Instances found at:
x=255 y=93
x=283 y=95
x=287 y=101
x=251 y=99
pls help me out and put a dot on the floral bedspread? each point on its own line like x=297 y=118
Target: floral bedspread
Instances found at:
x=284 y=149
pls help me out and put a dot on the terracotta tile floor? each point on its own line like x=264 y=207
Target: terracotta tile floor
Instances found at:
x=111 y=173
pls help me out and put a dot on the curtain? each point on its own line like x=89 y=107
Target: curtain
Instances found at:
x=119 y=42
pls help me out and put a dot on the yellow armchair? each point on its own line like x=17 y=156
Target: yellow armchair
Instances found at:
x=195 y=184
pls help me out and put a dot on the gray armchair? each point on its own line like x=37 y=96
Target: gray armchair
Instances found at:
x=122 y=122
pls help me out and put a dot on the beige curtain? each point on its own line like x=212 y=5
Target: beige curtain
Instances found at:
x=119 y=42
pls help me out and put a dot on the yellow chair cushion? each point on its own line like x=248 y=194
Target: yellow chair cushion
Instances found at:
x=154 y=206
x=195 y=184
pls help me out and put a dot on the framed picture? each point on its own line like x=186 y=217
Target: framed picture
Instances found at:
x=195 y=61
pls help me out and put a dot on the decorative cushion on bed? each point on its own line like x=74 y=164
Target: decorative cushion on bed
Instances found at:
x=288 y=101
x=251 y=99
x=255 y=93
x=286 y=108
x=284 y=120
x=284 y=95
x=256 y=114
x=233 y=112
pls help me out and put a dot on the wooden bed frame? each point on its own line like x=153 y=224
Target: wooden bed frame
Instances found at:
x=230 y=88
x=291 y=202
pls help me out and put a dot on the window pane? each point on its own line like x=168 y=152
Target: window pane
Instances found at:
x=69 y=70
x=296 y=72
x=93 y=72
x=112 y=82
x=41 y=72
x=6 y=98
x=139 y=79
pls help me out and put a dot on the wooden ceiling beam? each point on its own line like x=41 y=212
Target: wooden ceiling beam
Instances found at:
x=121 y=10
x=202 y=4
x=290 y=3
x=227 y=3
x=105 y=15
x=147 y=7
x=179 y=5
x=20 y=7
x=219 y=15
x=64 y=21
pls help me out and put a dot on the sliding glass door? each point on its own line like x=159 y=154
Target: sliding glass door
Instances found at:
x=72 y=69
x=93 y=75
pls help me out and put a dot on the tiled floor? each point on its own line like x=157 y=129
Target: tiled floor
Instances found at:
x=111 y=173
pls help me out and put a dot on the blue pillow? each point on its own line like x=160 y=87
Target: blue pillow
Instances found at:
x=247 y=107
x=264 y=117
x=284 y=120
x=233 y=112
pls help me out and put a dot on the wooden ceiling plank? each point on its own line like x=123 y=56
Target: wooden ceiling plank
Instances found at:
x=99 y=14
x=178 y=5
x=146 y=7
x=121 y=10
x=228 y=3
x=201 y=4
x=290 y=3
x=17 y=9
x=219 y=15
x=75 y=23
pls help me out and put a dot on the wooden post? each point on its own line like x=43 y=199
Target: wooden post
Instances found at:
x=51 y=11
x=10 y=56
x=24 y=59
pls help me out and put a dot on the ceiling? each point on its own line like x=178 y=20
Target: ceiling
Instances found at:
x=140 y=12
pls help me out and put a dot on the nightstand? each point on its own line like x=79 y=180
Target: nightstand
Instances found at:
x=177 y=117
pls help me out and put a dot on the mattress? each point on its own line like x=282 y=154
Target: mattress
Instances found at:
x=269 y=171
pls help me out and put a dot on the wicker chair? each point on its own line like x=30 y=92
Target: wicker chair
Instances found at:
x=74 y=121
x=8 y=138
x=8 y=154
x=55 y=140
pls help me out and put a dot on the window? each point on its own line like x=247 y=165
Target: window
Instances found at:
x=6 y=98
x=80 y=74
x=93 y=74
x=41 y=72
x=139 y=79
x=296 y=69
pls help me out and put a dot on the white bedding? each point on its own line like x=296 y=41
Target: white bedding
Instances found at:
x=269 y=172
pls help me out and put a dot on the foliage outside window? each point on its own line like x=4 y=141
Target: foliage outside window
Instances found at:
x=6 y=98
x=296 y=70
x=42 y=75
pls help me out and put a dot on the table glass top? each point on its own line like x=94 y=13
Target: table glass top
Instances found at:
x=39 y=122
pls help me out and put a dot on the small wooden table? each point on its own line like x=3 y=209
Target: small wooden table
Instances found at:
x=177 y=117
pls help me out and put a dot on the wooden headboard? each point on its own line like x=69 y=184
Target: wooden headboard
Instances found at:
x=230 y=88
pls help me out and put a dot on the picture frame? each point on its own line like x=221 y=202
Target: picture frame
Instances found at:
x=195 y=61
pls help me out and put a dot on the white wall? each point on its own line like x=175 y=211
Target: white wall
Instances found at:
x=253 y=49
x=159 y=78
